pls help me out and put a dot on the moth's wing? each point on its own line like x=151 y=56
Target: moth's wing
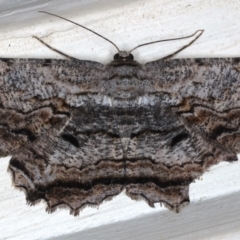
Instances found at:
x=197 y=124
x=36 y=95
x=39 y=99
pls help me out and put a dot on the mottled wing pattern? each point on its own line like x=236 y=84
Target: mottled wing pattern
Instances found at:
x=81 y=132
x=36 y=97
x=203 y=97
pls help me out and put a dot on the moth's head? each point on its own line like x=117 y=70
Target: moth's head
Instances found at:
x=123 y=56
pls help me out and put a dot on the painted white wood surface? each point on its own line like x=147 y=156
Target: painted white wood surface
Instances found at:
x=214 y=212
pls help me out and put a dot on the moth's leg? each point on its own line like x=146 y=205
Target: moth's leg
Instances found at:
x=185 y=46
x=54 y=49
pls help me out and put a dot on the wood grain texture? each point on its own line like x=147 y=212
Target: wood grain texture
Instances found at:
x=80 y=132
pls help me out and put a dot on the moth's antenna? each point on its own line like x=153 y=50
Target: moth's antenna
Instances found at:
x=83 y=27
x=165 y=40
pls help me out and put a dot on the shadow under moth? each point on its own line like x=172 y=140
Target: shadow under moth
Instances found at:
x=80 y=132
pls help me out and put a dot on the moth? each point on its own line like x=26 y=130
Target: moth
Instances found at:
x=80 y=132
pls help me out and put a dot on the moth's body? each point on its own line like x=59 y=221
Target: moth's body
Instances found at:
x=81 y=132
